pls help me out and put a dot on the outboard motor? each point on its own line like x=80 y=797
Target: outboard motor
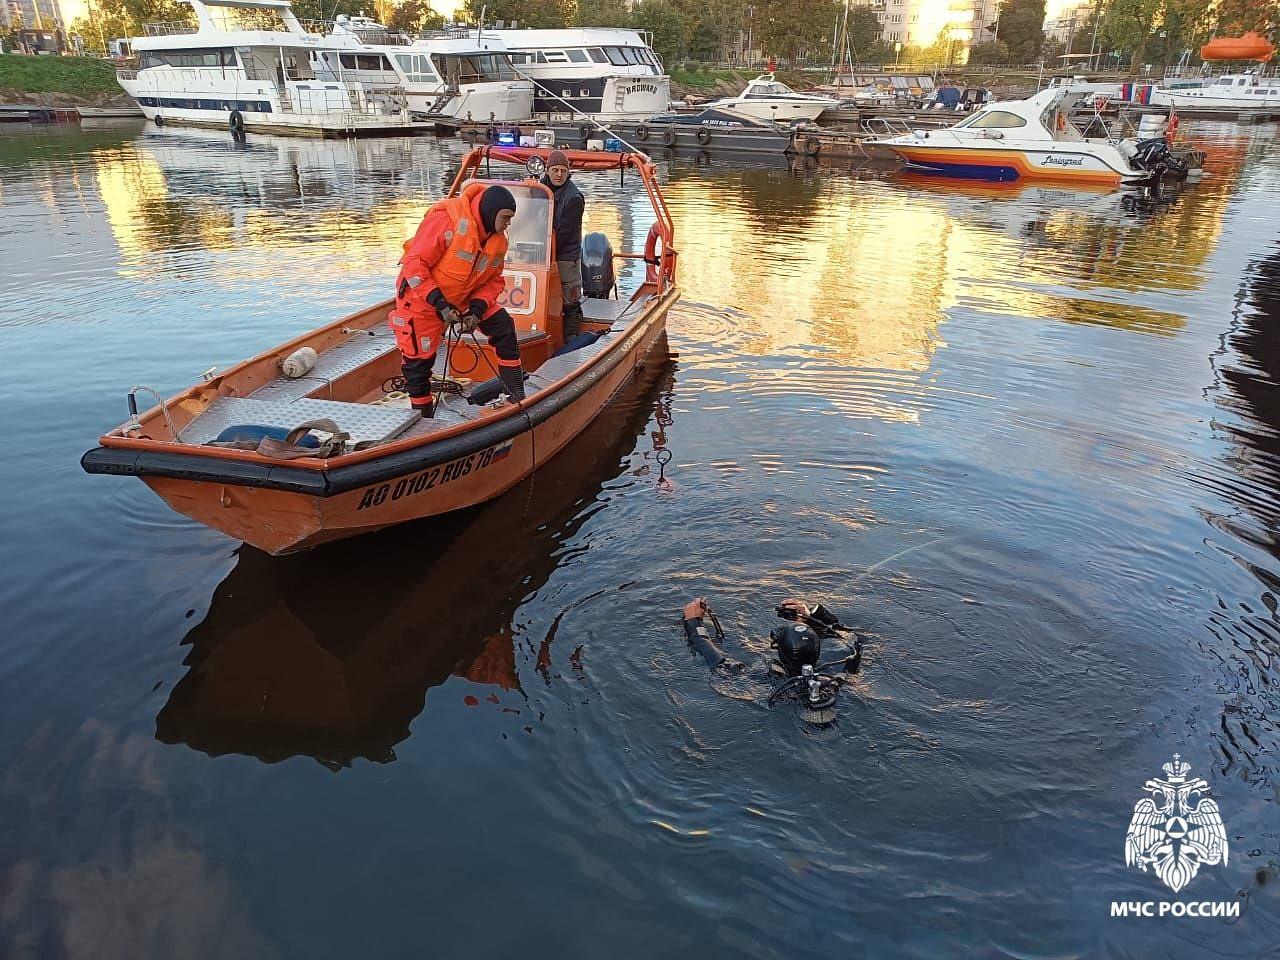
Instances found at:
x=1154 y=155
x=598 y=280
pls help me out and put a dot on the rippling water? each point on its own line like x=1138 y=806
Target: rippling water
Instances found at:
x=1029 y=441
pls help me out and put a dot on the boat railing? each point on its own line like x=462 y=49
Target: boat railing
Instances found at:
x=169 y=29
x=887 y=127
x=126 y=73
x=374 y=36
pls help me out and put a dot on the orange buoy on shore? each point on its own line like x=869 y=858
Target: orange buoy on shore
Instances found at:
x=1251 y=46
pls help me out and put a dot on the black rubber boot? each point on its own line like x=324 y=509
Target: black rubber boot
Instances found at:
x=572 y=320
x=513 y=382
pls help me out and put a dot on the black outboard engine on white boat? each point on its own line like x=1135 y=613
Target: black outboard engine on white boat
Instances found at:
x=1154 y=155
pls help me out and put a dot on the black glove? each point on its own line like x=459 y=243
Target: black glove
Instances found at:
x=478 y=308
x=445 y=310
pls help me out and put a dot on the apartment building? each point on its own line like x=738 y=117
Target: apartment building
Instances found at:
x=32 y=14
x=921 y=23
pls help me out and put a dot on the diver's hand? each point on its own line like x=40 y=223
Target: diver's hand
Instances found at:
x=696 y=608
x=793 y=608
x=465 y=323
x=445 y=310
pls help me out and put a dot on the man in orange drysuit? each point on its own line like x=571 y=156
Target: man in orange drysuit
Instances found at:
x=451 y=275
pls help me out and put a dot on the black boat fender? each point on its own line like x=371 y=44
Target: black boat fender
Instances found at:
x=669 y=137
x=811 y=146
x=235 y=122
x=704 y=136
x=642 y=132
x=584 y=130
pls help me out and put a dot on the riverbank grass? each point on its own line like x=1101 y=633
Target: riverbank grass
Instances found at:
x=82 y=76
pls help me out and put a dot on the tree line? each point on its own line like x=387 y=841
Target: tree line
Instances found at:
x=1139 y=31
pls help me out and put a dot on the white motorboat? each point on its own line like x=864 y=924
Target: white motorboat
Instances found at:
x=1032 y=139
x=248 y=64
x=441 y=75
x=767 y=99
x=604 y=73
x=1229 y=92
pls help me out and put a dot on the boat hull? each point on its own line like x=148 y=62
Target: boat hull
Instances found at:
x=783 y=112
x=426 y=481
x=1007 y=166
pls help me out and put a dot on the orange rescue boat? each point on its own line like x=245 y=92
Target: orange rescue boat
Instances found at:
x=384 y=464
x=1251 y=46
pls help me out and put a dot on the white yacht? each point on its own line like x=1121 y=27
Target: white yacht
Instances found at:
x=1031 y=139
x=605 y=73
x=1229 y=92
x=766 y=99
x=440 y=75
x=248 y=63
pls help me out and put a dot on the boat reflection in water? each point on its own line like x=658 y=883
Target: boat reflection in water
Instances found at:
x=331 y=655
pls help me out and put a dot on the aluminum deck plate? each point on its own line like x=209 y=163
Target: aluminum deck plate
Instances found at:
x=362 y=421
x=351 y=354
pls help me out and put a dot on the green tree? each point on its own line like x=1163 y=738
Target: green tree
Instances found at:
x=328 y=9
x=528 y=13
x=1022 y=29
x=795 y=28
x=100 y=27
x=414 y=17
x=668 y=26
x=602 y=13
x=1128 y=25
x=864 y=33
x=1234 y=17
x=993 y=51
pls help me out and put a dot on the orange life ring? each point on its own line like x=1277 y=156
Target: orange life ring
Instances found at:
x=651 y=258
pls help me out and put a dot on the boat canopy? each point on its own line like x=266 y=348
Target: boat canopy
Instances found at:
x=1045 y=113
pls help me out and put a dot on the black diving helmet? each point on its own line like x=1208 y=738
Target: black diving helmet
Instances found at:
x=798 y=646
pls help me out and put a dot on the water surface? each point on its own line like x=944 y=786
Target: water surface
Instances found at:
x=1026 y=439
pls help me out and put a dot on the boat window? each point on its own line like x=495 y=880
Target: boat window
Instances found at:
x=994 y=120
x=529 y=233
x=556 y=56
x=539 y=57
x=632 y=55
x=223 y=57
x=416 y=67
x=365 y=61
x=1240 y=82
x=474 y=68
x=597 y=55
x=616 y=56
x=577 y=56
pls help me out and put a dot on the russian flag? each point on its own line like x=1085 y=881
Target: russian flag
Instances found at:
x=501 y=452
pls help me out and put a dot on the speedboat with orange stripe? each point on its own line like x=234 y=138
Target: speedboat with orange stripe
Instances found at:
x=311 y=442
x=1032 y=139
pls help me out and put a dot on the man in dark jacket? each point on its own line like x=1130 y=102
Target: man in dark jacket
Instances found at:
x=567 y=221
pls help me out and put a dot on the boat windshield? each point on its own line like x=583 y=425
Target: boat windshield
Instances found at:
x=529 y=236
x=769 y=90
x=474 y=67
x=992 y=120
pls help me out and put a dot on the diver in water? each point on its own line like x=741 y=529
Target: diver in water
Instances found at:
x=798 y=642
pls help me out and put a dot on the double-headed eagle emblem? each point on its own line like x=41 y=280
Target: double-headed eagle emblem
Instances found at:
x=1171 y=834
